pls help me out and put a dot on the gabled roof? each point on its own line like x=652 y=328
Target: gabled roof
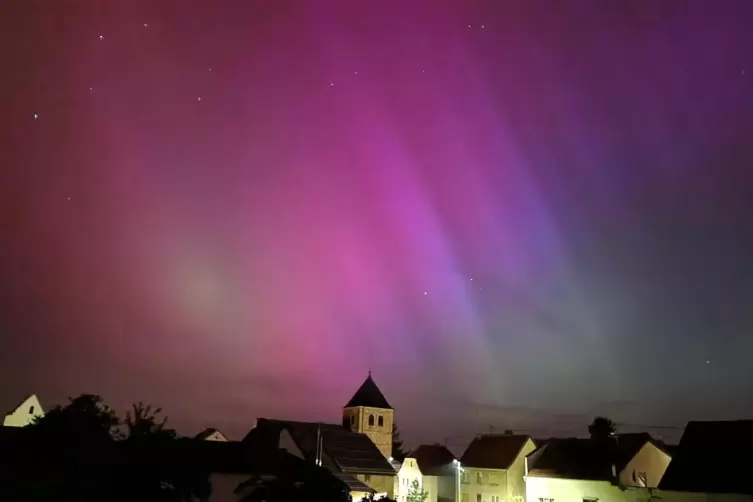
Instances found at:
x=572 y=458
x=587 y=459
x=712 y=457
x=433 y=459
x=368 y=394
x=343 y=450
x=493 y=451
x=208 y=433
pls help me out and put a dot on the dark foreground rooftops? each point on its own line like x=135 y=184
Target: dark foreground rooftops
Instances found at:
x=433 y=459
x=712 y=457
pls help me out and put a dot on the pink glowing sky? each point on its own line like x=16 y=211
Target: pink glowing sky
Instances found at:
x=514 y=213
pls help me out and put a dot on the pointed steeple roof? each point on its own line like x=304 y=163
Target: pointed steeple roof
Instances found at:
x=369 y=395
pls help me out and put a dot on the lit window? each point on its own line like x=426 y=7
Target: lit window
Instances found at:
x=380 y=421
x=371 y=419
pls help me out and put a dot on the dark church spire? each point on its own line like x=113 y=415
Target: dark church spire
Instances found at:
x=369 y=395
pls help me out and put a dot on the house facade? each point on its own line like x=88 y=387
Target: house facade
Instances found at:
x=25 y=413
x=408 y=473
x=493 y=468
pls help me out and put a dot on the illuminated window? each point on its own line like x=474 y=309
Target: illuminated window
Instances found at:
x=380 y=421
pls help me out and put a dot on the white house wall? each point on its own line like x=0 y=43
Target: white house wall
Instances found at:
x=564 y=490
x=649 y=460
x=408 y=472
x=25 y=414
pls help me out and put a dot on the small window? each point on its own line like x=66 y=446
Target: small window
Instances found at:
x=464 y=478
x=495 y=498
x=367 y=477
x=371 y=419
x=31 y=410
x=478 y=497
x=479 y=478
x=352 y=420
x=380 y=421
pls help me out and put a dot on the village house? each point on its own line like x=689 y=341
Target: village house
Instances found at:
x=24 y=413
x=493 y=468
x=435 y=469
x=356 y=451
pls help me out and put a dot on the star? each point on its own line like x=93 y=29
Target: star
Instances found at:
x=101 y=37
x=426 y=293
x=210 y=68
x=69 y=198
x=91 y=89
x=331 y=84
x=355 y=73
x=146 y=25
x=36 y=116
x=708 y=362
x=199 y=99
x=469 y=25
x=482 y=26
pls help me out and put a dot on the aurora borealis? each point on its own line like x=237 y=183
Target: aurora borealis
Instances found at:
x=514 y=213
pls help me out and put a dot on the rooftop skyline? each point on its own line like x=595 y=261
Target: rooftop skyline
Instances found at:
x=515 y=214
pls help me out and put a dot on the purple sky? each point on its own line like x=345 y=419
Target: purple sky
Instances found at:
x=516 y=214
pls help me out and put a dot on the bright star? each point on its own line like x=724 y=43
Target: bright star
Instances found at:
x=36 y=116
x=101 y=37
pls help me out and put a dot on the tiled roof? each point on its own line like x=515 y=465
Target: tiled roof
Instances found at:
x=354 y=484
x=433 y=459
x=712 y=457
x=343 y=450
x=369 y=395
x=493 y=451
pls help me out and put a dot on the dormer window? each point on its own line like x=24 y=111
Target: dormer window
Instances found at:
x=371 y=420
x=380 y=421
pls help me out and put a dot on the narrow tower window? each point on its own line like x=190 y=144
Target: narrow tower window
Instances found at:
x=380 y=421
x=371 y=419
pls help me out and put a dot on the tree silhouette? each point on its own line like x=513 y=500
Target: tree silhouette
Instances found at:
x=78 y=452
x=397 y=445
x=601 y=428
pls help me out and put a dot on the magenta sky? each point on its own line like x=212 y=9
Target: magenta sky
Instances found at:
x=517 y=214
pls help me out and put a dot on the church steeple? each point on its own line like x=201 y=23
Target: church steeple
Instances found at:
x=368 y=394
x=368 y=412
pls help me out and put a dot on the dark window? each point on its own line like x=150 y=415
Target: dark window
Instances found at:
x=371 y=419
x=352 y=420
x=31 y=410
x=380 y=421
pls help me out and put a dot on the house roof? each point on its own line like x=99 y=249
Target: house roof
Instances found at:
x=571 y=458
x=493 y=451
x=576 y=458
x=343 y=450
x=209 y=432
x=433 y=459
x=712 y=457
x=354 y=484
x=368 y=394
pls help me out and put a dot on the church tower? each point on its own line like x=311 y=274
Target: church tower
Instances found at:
x=368 y=412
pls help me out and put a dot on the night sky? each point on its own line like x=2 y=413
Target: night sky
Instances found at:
x=515 y=214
